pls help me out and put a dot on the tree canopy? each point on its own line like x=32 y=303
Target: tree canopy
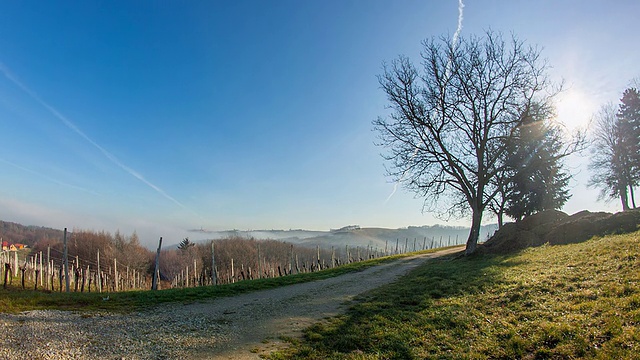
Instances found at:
x=445 y=136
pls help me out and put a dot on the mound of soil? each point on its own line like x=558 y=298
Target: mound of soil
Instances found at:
x=556 y=227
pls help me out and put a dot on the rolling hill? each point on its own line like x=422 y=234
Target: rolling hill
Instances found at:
x=428 y=236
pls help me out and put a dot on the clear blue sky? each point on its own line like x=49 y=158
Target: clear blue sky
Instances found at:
x=165 y=116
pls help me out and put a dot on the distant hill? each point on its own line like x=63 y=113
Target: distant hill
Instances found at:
x=438 y=235
x=27 y=234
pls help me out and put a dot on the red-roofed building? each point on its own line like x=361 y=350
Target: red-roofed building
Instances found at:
x=5 y=245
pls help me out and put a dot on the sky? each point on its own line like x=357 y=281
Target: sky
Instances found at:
x=160 y=117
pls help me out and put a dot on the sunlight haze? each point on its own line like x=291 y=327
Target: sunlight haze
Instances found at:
x=164 y=117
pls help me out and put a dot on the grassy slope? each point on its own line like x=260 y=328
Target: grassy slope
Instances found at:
x=571 y=301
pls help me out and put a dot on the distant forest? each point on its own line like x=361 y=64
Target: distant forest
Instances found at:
x=29 y=235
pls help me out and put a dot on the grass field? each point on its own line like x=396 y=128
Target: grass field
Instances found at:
x=14 y=299
x=552 y=302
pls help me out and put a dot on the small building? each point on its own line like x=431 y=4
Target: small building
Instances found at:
x=5 y=245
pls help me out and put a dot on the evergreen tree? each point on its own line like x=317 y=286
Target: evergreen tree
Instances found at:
x=535 y=177
x=185 y=244
x=629 y=122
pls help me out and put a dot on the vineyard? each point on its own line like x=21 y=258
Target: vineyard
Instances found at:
x=85 y=261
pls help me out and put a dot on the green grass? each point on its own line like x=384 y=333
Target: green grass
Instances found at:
x=552 y=302
x=14 y=299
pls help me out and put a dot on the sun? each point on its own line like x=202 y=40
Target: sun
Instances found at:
x=574 y=109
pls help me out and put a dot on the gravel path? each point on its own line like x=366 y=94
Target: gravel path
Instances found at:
x=240 y=327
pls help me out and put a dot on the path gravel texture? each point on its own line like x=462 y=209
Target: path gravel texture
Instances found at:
x=240 y=327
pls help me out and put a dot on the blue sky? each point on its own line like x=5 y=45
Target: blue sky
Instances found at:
x=165 y=116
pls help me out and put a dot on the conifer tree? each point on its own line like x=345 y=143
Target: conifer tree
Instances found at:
x=535 y=178
x=629 y=122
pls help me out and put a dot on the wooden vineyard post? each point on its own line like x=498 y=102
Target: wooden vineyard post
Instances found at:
x=233 y=275
x=98 y=279
x=84 y=279
x=154 y=284
x=385 y=246
x=424 y=244
x=49 y=267
x=213 y=265
x=15 y=264
x=115 y=274
x=291 y=261
x=41 y=274
x=52 y=275
x=414 y=244
x=333 y=257
x=195 y=274
x=76 y=270
x=397 y=246
x=66 y=262
x=259 y=264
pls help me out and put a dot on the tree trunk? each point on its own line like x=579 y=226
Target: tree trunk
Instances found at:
x=633 y=200
x=624 y=199
x=474 y=233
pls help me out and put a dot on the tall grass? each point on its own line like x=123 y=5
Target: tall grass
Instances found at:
x=559 y=302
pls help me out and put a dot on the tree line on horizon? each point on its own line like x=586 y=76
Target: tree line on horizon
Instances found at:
x=473 y=129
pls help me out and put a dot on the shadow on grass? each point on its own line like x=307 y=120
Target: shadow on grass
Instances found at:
x=393 y=321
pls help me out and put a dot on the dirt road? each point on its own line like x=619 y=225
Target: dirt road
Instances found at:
x=240 y=327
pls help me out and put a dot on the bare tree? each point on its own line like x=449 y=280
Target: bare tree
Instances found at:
x=610 y=158
x=445 y=134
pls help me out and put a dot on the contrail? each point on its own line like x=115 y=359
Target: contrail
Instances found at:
x=395 y=184
x=454 y=43
x=7 y=73
x=456 y=36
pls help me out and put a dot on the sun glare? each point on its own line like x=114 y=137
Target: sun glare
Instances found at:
x=574 y=109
